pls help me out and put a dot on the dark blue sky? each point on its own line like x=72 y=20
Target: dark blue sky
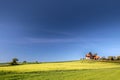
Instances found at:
x=58 y=30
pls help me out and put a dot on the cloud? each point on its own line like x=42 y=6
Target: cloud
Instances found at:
x=51 y=40
x=63 y=40
x=83 y=40
x=58 y=32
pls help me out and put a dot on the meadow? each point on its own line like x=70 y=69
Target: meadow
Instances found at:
x=73 y=70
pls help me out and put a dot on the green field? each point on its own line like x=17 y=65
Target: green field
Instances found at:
x=74 y=70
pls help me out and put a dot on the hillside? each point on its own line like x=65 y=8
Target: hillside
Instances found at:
x=74 y=70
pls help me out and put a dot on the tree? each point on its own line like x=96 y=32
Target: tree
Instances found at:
x=36 y=62
x=103 y=58
x=91 y=55
x=110 y=57
x=24 y=62
x=118 y=58
x=14 y=61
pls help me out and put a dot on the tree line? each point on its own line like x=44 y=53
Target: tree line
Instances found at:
x=15 y=60
x=111 y=58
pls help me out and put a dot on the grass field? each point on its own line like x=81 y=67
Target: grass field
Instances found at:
x=75 y=70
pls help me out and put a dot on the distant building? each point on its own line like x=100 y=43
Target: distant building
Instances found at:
x=92 y=56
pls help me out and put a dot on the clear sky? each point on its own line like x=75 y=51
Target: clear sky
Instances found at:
x=58 y=30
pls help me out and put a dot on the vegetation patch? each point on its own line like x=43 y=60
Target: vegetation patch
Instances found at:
x=73 y=70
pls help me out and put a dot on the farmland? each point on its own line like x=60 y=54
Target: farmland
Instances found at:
x=73 y=70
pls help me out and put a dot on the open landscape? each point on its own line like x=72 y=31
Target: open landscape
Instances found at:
x=59 y=39
x=71 y=70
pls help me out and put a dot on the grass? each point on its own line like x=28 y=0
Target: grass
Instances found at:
x=75 y=70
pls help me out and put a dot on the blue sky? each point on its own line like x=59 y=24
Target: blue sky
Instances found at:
x=58 y=30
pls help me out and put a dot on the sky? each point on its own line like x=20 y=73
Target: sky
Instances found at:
x=58 y=30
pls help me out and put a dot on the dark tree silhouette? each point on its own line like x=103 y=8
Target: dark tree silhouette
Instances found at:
x=118 y=57
x=24 y=62
x=14 y=61
x=110 y=57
